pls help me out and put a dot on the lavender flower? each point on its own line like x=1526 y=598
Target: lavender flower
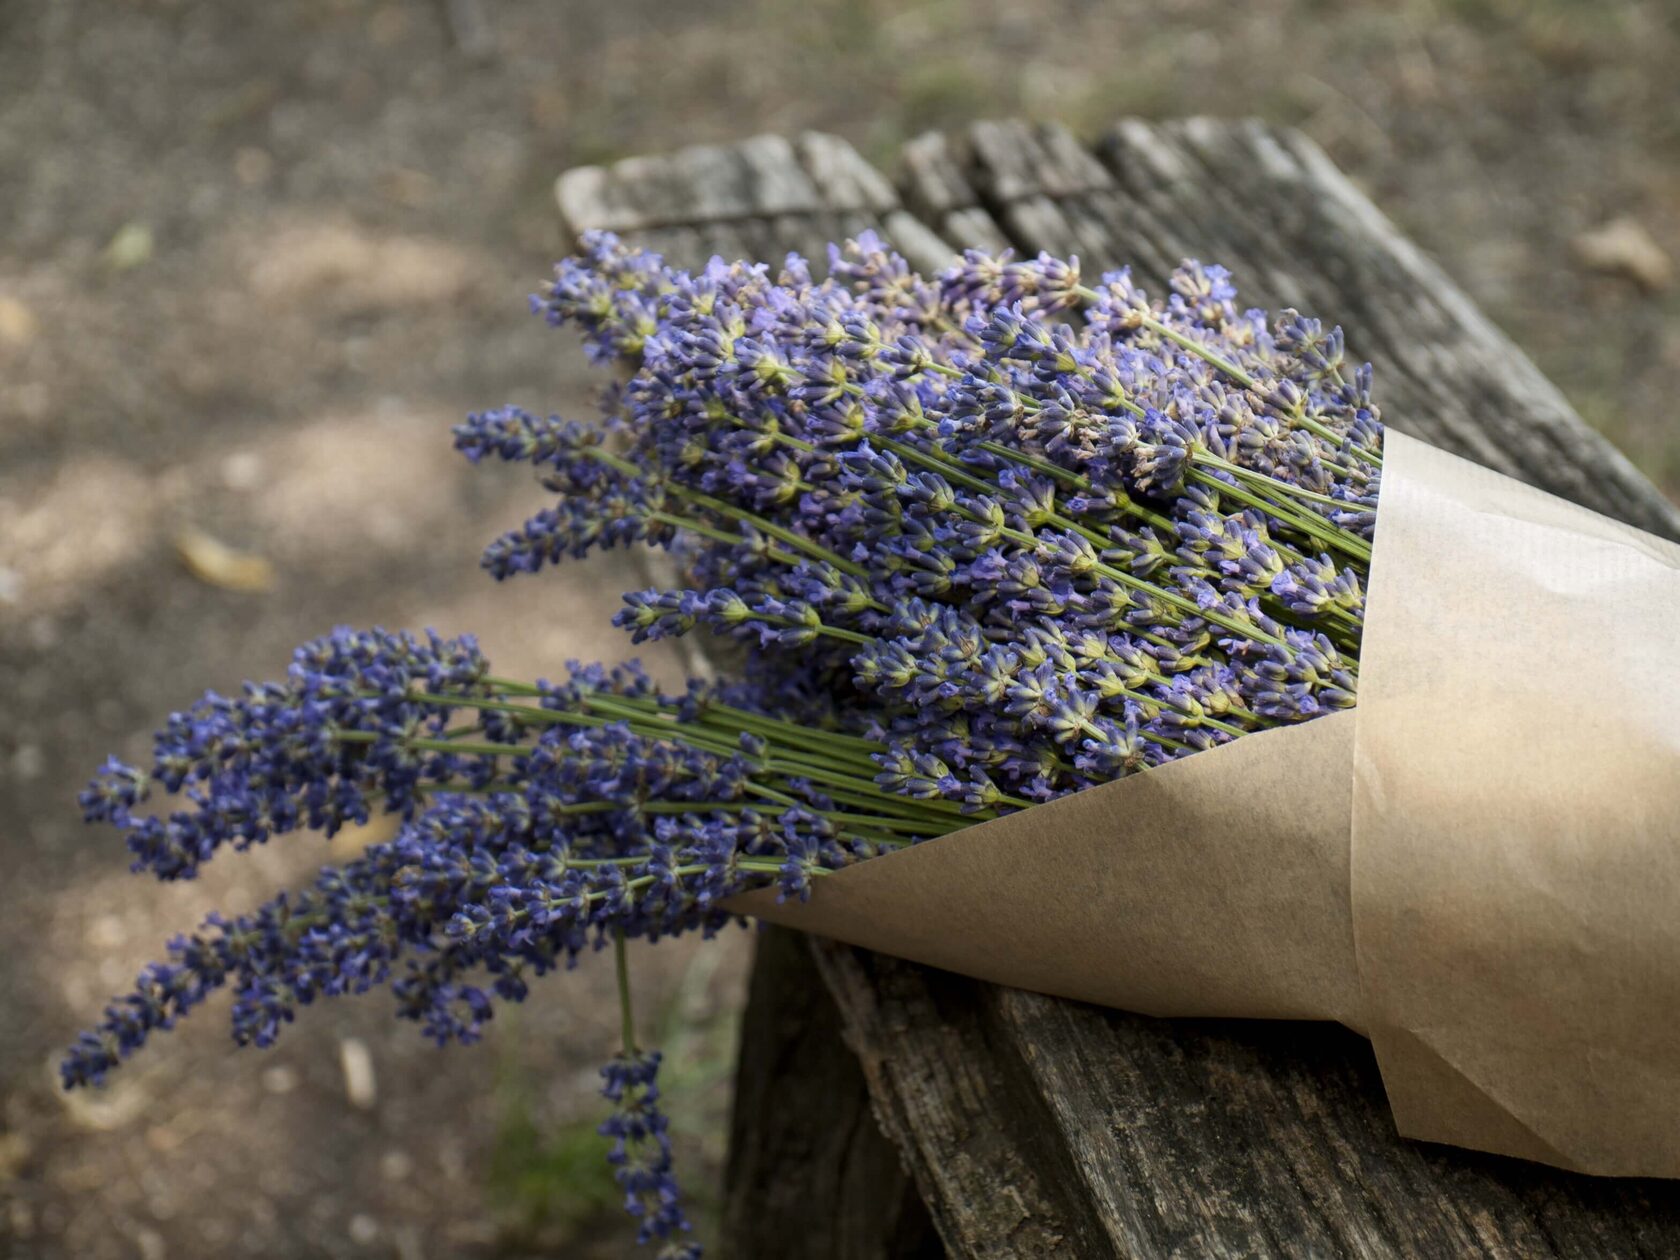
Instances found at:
x=540 y=821
x=641 y=1151
x=896 y=476
x=345 y=733
x=975 y=554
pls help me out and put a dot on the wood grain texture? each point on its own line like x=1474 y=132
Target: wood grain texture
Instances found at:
x=1038 y=1127
x=833 y=1189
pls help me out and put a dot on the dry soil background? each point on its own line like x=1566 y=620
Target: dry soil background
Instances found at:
x=255 y=257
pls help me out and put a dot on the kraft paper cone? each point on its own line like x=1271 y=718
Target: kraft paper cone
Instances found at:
x=1478 y=868
x=1516 y=821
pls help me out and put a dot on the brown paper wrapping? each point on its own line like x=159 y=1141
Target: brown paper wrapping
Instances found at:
x=1478 y=868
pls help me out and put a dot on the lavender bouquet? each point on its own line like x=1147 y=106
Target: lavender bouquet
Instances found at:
x=985 y=543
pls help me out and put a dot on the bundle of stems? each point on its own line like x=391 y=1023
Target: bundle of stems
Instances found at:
x=986 y=539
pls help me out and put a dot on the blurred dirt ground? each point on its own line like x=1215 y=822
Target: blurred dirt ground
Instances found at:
x=256 y=257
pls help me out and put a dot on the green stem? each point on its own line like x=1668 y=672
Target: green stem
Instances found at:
x=783 y=763
x=913 y=825
x=1180 y=602
x=769 y=794
x=1328 y=533
x=620 y=957
x=905 y=806
x=432 y=745
x=735 y=513
x=747 y=719
x=785 y=733
x=722 y=536
x=866 y=787
x=877 y=838
x=565 y=717
x=837 y=742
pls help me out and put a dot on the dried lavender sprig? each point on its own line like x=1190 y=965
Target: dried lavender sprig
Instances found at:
x=278 y=744
x=641 y=1153
x=579 y=812
x=1239 y=375
x=1009 y=640
x=751 y=367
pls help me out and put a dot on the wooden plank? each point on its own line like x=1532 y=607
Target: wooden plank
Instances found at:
x=760 y=178
x=795 y=1189
x=940 y=194
x=1037 y=1127
x=760 y=198
x=932 y=179
x=1017 y=160
x=843 y=178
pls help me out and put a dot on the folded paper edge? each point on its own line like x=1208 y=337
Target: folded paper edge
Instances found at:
x=1154 y=868
x=1507 y=940
x=1466 y=1114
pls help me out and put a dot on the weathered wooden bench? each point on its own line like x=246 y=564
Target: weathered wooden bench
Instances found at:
x=887 y=1109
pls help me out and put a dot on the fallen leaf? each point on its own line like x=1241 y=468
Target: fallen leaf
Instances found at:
x=216 y=564
x=1622 y=247
x=351 y=270
x=18 y=324
x=357 y=1063
x=131 y=247
x=15 y=1150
